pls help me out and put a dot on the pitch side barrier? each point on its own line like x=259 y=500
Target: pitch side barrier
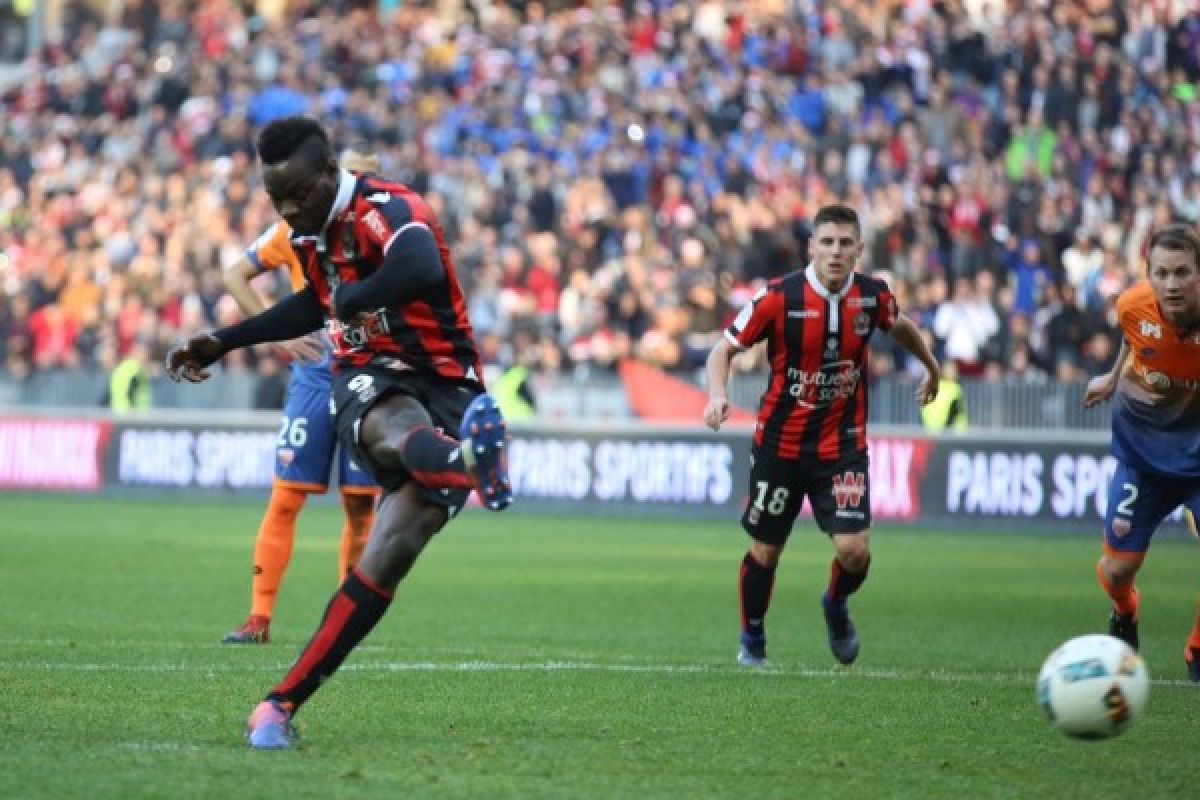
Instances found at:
x=1010 y=479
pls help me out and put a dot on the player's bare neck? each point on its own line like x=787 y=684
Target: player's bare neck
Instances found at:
x=832 y=286
x=1184 y=321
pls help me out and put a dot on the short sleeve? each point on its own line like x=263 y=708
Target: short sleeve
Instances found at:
x=756 y=319
x=888 y=310
x=1126 y=303
x=273 y=249
x=385 y=215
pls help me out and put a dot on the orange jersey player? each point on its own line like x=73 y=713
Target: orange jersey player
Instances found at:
x=307 y=441
x=1156 y=421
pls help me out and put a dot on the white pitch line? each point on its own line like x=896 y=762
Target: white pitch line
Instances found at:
x=160 y=747
x=570 y=666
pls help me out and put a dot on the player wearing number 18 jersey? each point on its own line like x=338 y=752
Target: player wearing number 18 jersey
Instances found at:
x=1156 y=421
x=811 y=436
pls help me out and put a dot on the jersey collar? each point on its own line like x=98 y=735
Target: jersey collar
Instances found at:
x=342 y=200
x=810 y=274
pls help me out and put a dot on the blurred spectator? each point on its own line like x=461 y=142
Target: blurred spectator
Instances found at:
x=963 y=325
x=949 y=408
x=613 y=181
x=129 y=383
x=271 y=390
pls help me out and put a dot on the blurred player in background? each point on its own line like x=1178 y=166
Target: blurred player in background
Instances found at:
x=406 y=379
x=307 y=443
x=811 y=437
x=1156 y=421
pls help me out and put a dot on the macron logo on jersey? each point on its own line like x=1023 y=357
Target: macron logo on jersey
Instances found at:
x=379 y=198
x=1151 y=329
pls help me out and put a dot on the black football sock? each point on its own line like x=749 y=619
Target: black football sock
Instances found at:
x=755 y=583
x=349 y=617
x=842 y=584
x=433 y=459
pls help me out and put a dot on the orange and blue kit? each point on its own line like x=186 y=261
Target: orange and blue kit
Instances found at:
x=1155 y=426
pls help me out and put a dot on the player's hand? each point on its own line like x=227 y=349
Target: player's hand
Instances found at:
x=716 y=412
x=1099 y=390
x=927 y=389
x=189 y=361
x=337 y=306
x=338 y=310
x=309 y=348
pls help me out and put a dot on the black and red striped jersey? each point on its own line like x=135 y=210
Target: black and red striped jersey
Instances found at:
x=431 y=333
x=815 y=405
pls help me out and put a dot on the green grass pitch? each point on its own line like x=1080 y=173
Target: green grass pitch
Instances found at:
x=559 y=657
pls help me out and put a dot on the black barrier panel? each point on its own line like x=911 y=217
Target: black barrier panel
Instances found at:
x=689 y=474
x=188 y=458
x=1010 y=481
x=685 y=473
x=1009 y=484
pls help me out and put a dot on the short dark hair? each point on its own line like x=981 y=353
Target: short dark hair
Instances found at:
x=287 y=136
x=838 y=214
x=1178 y=236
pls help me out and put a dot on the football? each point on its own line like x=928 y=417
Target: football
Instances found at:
x=1093 y=687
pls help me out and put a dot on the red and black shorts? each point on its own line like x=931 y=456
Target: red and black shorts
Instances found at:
x=840 y=496
x=357 y=390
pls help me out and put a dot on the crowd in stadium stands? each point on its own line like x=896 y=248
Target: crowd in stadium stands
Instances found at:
x=617 y=179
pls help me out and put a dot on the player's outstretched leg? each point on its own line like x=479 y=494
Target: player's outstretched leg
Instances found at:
x=404 y=524
x=404 y=437
x=483 y=434
x=351 y=614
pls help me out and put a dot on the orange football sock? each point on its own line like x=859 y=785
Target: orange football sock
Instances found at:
x=360 y=513
x=1124 y=597
x=273 y=547
x=1194 y=640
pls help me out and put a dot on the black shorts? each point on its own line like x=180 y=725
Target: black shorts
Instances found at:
x=840 y=496
x=357 y=390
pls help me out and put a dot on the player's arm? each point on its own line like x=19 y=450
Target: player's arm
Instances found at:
x=716 y=373
x=906 y=334
x=1101 y=388
x=237 y=282
x=752 y=325
x=412 y=264
x=295 y=315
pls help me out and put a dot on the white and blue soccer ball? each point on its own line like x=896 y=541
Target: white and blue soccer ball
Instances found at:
x=1093 y=687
